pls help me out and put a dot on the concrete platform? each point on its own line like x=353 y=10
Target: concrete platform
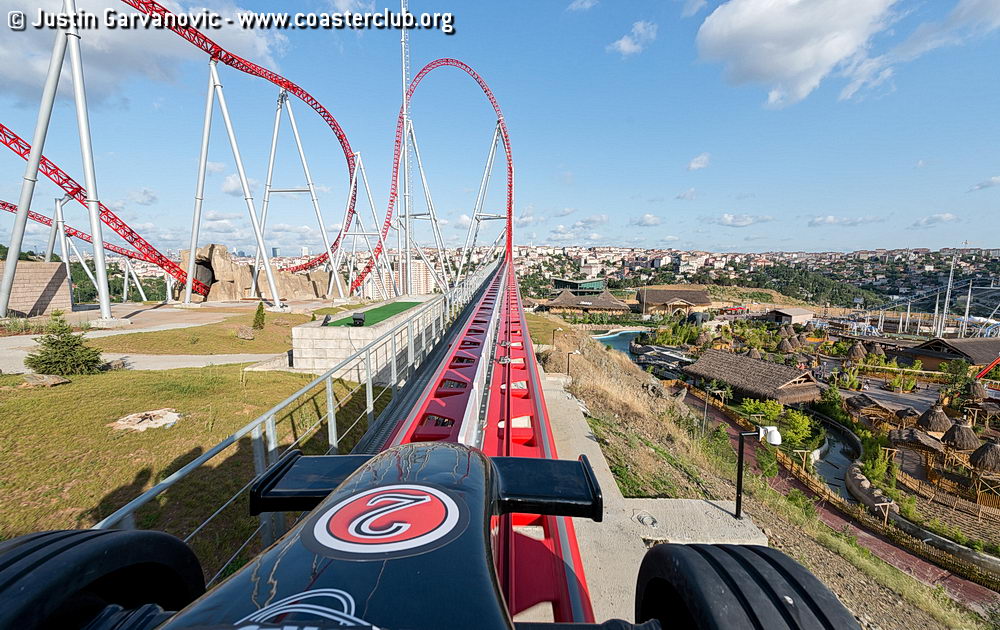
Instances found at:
x=613 y=550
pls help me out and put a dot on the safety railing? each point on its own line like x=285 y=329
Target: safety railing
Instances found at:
x=328 y=415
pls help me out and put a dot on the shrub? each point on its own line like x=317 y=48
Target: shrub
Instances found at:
x=799 y=499
x=796 y=427
x=62 y=353
x=767 y=461
x=770 y=409
x=258 y=317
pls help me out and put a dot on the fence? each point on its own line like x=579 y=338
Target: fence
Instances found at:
x=328 y=415
x=861 y=516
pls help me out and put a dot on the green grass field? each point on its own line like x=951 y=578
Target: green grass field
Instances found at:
x=65 y=468
x=378 y=314
x=218 y=338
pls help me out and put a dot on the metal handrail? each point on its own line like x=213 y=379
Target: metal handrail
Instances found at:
x=457 y=296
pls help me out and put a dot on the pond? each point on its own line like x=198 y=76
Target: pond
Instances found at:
x=832 y=468
x=619 y=341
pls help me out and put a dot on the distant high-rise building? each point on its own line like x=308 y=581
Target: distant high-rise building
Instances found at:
x=304 y=250
x=275 y=252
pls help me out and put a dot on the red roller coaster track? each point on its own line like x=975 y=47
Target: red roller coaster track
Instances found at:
x=61 y=179
x=73 y=232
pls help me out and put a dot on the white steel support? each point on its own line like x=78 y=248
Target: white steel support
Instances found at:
x=404 y=44
x=968 y=303
x=83 y=263
x=266 y=201
x=60 y=224
x=480 y=201
x=432 y=216
x=135 y=277
x=947 y=299
x=382 y=261
x=123 y=266
x=199 y=195
x=31 y=169
x=244 y=182
x=87 y=157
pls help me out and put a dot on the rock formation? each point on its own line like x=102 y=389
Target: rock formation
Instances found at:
x=230 y=281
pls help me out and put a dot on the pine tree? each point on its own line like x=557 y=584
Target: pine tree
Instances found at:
x=258 y=317
x=62 y=353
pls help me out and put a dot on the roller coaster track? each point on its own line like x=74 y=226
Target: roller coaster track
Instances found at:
x=72 y=232
x=61 y=179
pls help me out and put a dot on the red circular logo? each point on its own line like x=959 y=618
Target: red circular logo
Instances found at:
x=397 y=520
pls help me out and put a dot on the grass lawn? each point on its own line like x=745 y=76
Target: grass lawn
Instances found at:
x=378 y=314
x=218 y=338
x=65 y=468
x=540 y=327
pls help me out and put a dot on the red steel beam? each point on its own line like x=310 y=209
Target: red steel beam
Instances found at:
x=70 y=231
x=60 y=178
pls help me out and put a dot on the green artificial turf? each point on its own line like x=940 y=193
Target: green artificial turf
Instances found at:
x=377 y=314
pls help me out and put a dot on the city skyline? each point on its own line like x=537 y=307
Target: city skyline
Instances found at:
x=634 y=125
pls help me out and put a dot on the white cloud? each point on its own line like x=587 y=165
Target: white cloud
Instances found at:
x=968 y=20
x=670 y=238
x=527 y=217
x=987 y=183
x=592 y=220
x=352 y=5
x=212 y=215
x=646 y=220
x=581 y=5
x=151 y=54
x=699 y=162
x=565 y=212
x=634 y=41
x=215 y=167
x=934 y=219
x=791 y=45
x=463 y=221
x=842 y=221
x=232 y=186
x=143 y=196
x=739 y=220
x=687 y=195
x=693 y=7
x=920 y=164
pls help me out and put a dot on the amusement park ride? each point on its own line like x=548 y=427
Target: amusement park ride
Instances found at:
x=454 y=511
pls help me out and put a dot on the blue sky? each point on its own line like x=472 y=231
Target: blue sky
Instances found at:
x=744 y=125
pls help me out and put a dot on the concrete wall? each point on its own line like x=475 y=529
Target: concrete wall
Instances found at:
x=39 y=289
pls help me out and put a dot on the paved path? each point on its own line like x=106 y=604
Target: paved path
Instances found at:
x=969 y=593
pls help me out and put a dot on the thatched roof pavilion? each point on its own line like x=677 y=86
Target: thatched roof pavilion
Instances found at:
x=934 y=420
x=752 y=378
x=916 y=440
x=987 y=457
x=961 y=437
x=785 y=347
x=789 y=329
x=907 y=414
x=782 y=333
x=794 y=342
x=857 y=352
x=754 y=353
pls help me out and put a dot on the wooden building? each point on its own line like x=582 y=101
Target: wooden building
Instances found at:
x=672 y=301
x=604 y=302
x=978 y=352
x=754 y=378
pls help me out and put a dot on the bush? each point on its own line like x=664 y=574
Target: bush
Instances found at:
x=258 y=317
x=799 y=499
x=62 y=353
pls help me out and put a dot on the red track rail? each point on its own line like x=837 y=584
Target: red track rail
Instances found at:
x=70 y=231
x=61 y=179
x=202 y=41
x=397 y=150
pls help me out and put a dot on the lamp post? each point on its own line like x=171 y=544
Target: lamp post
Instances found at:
x=568 y=354
x=773 y=437
x=554 y=336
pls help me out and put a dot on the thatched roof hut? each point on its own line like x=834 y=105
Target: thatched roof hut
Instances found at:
x=789 y=329
x=785 y=347
x=803 y=338
x=907 y=414
x=977 y=391
x=934 y=420
x=987 y=457
x=794 y=342
x=702 y=339
x=754 y=353
x=752 y=378
x=876 y=349
x=782 y=333
x=857 y=352
x=961 y=437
